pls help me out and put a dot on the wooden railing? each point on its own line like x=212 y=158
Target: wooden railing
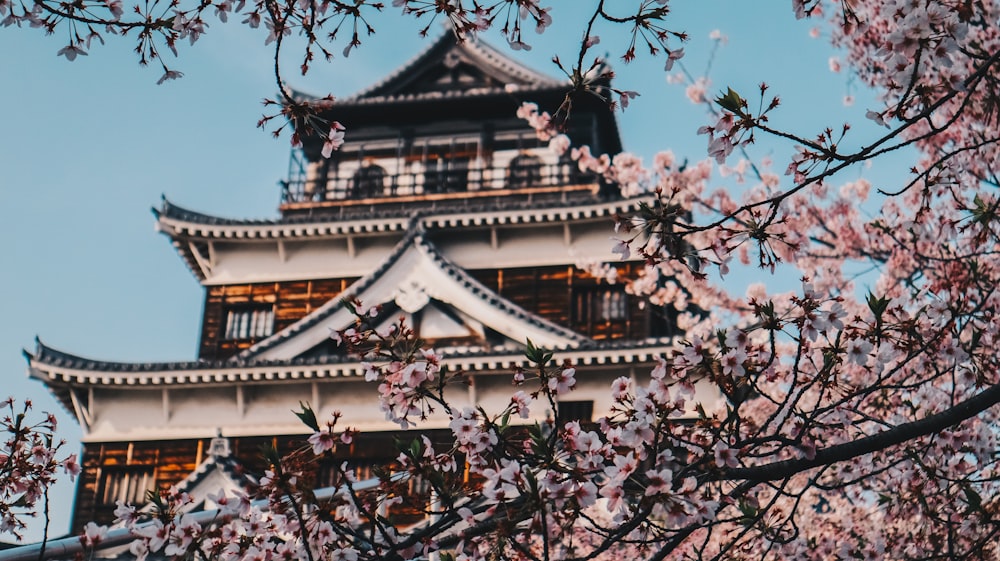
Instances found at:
x=372 y=183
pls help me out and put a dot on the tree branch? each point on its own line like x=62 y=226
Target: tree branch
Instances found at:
x=869 y=444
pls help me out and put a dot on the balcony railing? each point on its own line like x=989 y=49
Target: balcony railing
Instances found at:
x=371 y=184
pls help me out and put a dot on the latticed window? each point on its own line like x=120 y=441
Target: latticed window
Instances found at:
x=125 y=483
x=525 y=170
x=601 y=305
x=249 y=322
x=369 y=181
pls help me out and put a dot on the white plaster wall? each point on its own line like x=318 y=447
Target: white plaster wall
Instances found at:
x=324 y=258
x=529 y=246
x=199 y=412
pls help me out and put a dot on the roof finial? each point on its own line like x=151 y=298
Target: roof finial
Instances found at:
x=219 y=447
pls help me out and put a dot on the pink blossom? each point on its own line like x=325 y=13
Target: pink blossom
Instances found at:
x=72 y=51
x=93 y=534
x=562 y=381
x=322 y=441
x=725 y=456
x=622 y=248
x=334 y=139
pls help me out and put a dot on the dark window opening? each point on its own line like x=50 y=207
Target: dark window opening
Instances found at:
x=446 y=175
x=662 y=321
x=525 y=170
x=368 y=182
x=582 y=411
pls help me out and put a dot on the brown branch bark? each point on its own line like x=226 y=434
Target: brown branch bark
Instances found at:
x=867 y=445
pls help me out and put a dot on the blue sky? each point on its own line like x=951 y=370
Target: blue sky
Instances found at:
x=87 y=147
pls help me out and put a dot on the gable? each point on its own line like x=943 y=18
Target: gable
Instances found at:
x=219 y=473
x=436 y=297
x=449 y=66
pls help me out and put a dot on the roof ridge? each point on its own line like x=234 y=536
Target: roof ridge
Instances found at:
x=473 y=45
x=171 y=210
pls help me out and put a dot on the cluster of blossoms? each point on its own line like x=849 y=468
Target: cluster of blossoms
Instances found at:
x=406 y=374
x=239 y=530
x=29 y=463
x=654 y=478
x=664 y=471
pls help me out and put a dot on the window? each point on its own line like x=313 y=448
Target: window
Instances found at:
x=525 y=170
x=446 y=174
x=125 y=483
x=249 y=322
x=601 y=305
x=368 y=182
x=582 y=411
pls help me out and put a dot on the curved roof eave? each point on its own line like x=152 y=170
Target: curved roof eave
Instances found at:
x=175 y=221
x=61 y=369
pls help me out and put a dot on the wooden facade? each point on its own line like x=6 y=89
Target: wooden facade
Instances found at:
x=125 y=471
x=573 y=298
x=563 y=294
x=283 y=303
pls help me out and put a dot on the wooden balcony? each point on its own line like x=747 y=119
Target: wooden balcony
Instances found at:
x=457 y=182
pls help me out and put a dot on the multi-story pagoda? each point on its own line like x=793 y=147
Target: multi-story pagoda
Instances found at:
x=442 y=207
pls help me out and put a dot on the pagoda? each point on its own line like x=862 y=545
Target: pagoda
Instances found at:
x=442 y=207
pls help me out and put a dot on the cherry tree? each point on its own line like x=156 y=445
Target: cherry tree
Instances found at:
x=30 y=461
x=859 y=419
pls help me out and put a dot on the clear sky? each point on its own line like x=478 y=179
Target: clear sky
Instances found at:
x=87 y=147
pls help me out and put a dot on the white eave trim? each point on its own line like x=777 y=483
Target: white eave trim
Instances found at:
x=59 y=375
x=186 y=229
x=179 y=228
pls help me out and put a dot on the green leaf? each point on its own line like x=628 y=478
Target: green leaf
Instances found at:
x=536 y=355
x=530 y=351
x=307 y=416
x=877 y=305
x=731 y=101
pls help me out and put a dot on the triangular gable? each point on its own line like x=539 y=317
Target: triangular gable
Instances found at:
x=220 y=472
x=418 y=279
x=449 y=65
x=436 y=321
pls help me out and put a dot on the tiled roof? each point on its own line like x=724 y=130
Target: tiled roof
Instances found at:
x=184 y=226
x=177 y=221
x=52 y=365
x=230 y=466
x=475 y=49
